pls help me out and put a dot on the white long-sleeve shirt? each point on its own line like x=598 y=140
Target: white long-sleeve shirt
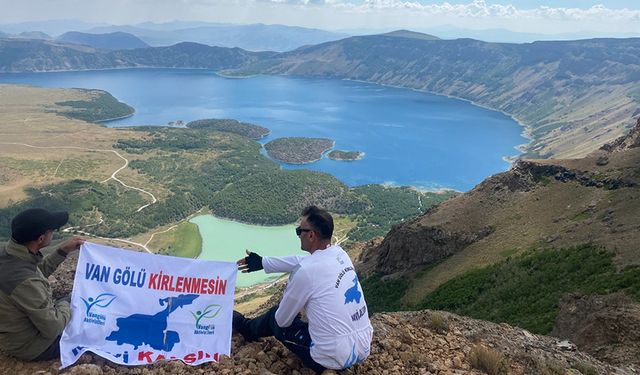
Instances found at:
x=326 y=286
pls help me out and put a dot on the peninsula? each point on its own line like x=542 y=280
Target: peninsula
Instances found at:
x=298 y=150
x=97 y=106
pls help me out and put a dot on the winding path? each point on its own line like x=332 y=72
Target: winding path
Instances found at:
x=113 y=177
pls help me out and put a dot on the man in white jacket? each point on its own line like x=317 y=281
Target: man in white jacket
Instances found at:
x=324 y=284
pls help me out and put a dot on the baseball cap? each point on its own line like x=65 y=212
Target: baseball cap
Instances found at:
x=30 y=224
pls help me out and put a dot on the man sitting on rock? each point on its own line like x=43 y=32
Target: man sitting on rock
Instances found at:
x=324 y=284
x=31 y=322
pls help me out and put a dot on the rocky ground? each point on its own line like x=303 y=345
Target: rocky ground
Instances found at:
x=423 y=342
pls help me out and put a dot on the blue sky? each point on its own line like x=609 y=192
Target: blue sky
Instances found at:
x=528 y=16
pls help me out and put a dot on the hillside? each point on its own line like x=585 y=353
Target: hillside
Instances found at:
x=109 y=41
x=34 y=35
x=559 y=202
x=512 y=247
x=37 y=55
x=573 y=96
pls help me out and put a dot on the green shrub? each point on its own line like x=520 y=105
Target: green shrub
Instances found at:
x=384 y=295
x=525 y=291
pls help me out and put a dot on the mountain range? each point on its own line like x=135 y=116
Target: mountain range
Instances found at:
x=253 y=37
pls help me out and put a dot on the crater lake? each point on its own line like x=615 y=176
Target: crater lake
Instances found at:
x=408 y=137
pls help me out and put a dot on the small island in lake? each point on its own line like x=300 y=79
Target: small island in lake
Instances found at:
x=298 y=150
x=246 y=129
x=345 y=155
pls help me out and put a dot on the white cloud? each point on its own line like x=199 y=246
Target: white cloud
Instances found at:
x=333 y=14
x=481 y=9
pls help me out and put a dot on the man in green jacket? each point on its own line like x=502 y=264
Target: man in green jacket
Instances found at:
x=31 y=321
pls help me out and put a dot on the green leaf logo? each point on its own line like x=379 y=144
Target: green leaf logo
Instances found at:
x=208 y=312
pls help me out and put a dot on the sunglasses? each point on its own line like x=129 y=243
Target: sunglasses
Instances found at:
x=300 y=230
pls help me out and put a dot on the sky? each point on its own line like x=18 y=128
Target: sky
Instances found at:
x=548 y=17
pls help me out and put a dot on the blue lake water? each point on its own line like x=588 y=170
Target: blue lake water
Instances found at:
x=408 y=137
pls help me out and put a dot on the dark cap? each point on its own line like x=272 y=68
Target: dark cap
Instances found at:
x=30 y=224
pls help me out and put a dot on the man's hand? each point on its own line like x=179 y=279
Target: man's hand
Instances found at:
x=71 y=244
x=252 y=262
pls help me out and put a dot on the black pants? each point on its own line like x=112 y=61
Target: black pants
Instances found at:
x=52 y=352
x=295 y=337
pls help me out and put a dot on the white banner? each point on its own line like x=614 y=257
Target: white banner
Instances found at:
x=136 y=308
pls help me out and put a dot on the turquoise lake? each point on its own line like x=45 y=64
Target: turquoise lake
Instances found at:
x=227 y=240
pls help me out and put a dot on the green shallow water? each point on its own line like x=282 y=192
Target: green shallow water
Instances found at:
x=226 y=240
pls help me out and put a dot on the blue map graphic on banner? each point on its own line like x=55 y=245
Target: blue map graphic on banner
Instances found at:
x=353 y=294
x=139 y=329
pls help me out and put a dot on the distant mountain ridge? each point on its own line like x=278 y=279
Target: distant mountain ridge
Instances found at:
x=38 y=55
x=255 y=37
x=411 y=35
x=110 y=41
x=251 y=37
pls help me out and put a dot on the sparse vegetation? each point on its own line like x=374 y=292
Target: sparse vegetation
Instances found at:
x=438 y=323
x=585 y=368
x=184 y=241
x=583 y=215
x=543 y=366
x=488 y=360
